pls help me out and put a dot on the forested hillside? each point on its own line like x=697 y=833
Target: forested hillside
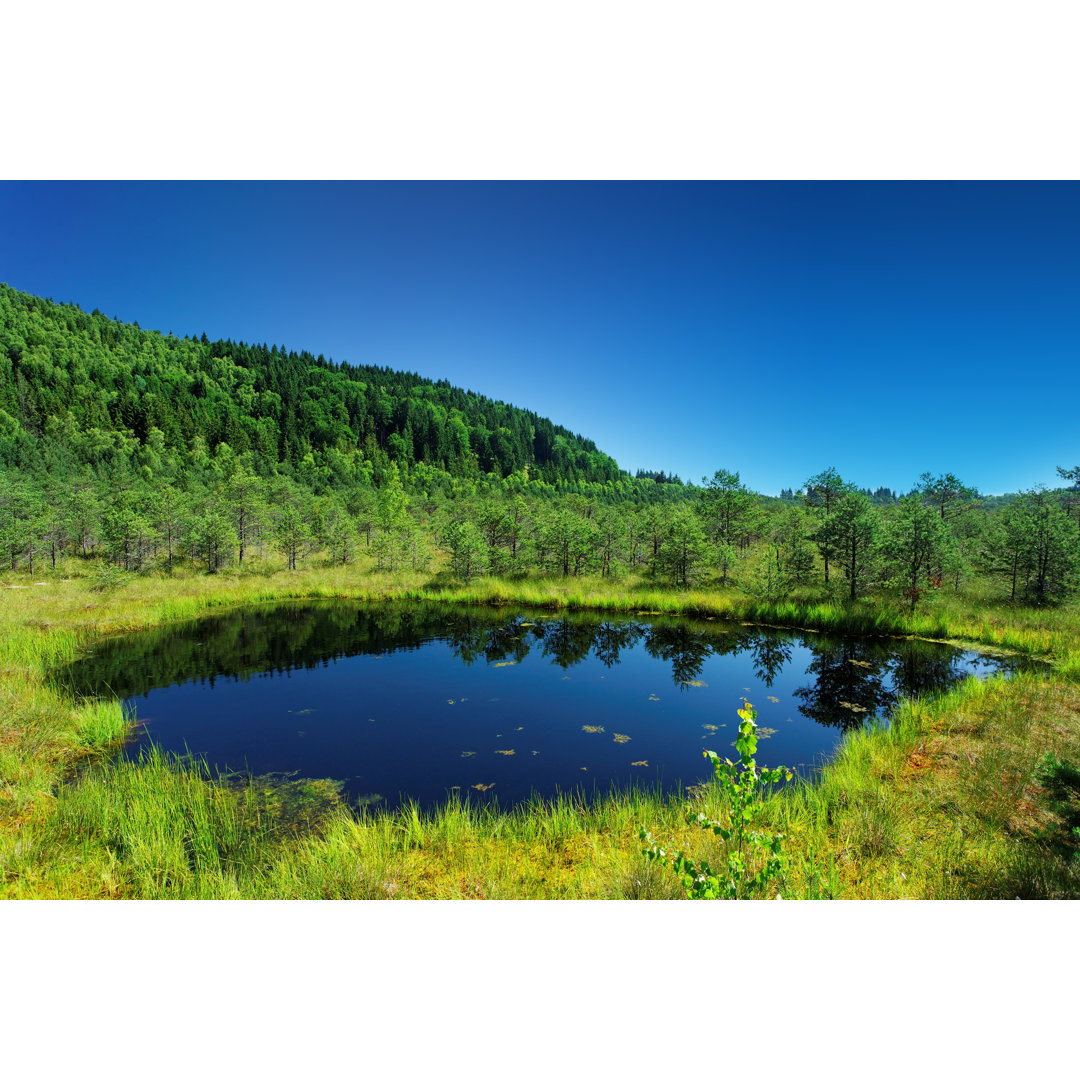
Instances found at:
x=79 y=389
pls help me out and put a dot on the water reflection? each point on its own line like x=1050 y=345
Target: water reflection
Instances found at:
x=847 y=680
x=846 y=684
x=388 y=727
x=681 y=646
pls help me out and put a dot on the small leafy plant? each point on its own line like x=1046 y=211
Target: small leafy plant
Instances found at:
x=753 y=855
x=107 y=577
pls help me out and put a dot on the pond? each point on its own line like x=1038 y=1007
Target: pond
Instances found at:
x=402 y=702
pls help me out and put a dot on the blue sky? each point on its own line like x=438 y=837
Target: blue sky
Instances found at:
x=886 y=329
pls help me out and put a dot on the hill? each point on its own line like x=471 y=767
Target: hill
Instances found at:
x=79 y=389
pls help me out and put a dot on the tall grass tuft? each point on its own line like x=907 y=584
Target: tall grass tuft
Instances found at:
x=102 y=723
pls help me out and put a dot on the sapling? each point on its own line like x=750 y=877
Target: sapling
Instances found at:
x=742 y=786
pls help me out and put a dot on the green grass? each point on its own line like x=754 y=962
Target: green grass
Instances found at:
x=958 y=798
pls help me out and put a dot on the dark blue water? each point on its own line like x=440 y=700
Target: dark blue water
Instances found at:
x=412 y=702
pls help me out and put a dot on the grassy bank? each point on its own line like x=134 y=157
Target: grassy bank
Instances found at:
x=973 y=794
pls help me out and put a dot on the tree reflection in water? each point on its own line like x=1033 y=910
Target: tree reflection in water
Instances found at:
x=847 y=684
x=685 y=649
x=613 y=637
x=848 y=679
x=770 y=652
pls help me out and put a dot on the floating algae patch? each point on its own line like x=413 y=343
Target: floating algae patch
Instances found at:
x=621 y=738
x=773 y=699
x=505 y=753
x=638 y=764
x=593 y=729
x=505 y=663
x=468 y=753
x=765 y=732
x=693 y=682
x=482 y=787
x=710 y=727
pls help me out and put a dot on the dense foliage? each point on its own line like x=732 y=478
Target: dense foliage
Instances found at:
x=79 y=389
x=147 y=449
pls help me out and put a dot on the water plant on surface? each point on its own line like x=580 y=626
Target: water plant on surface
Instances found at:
x=753 y=855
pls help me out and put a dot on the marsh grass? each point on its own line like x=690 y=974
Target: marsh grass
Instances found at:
x=102 y=723
x=956 y=797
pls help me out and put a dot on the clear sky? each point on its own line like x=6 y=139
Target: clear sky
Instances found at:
x=769 y=328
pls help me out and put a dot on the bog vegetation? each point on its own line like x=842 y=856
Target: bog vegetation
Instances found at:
x=144 y=477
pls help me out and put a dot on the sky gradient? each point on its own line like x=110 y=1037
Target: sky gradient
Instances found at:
x=769 y=328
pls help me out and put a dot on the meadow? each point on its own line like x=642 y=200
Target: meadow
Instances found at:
x=975 y=794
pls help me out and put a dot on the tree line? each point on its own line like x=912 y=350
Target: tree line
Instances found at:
x=832 y=535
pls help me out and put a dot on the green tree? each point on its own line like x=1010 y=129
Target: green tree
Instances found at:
x=126 y=530
x=1072 y=493
x=211 y=536
x=83 y=513
x=682 y=554
x=519 y=515
x=21 y=511
x=966 y=537
x=1007 y=545
x=170 y=514
x=397 y=541
x=851 y=532
x=946 y=494
x=468 y=549
x=243 y=494
x=953 y=501
x=1033 y=544
x=726 y=506
x=753 y=854
x=821 y=493
x=494 y=523
x=362 y=507
x=293 y=534
x=54 y=526
x=654 y=525
x=566 y=541
x=338 y=530
x=914 y=541
x=794 y=549
x=610 y=534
